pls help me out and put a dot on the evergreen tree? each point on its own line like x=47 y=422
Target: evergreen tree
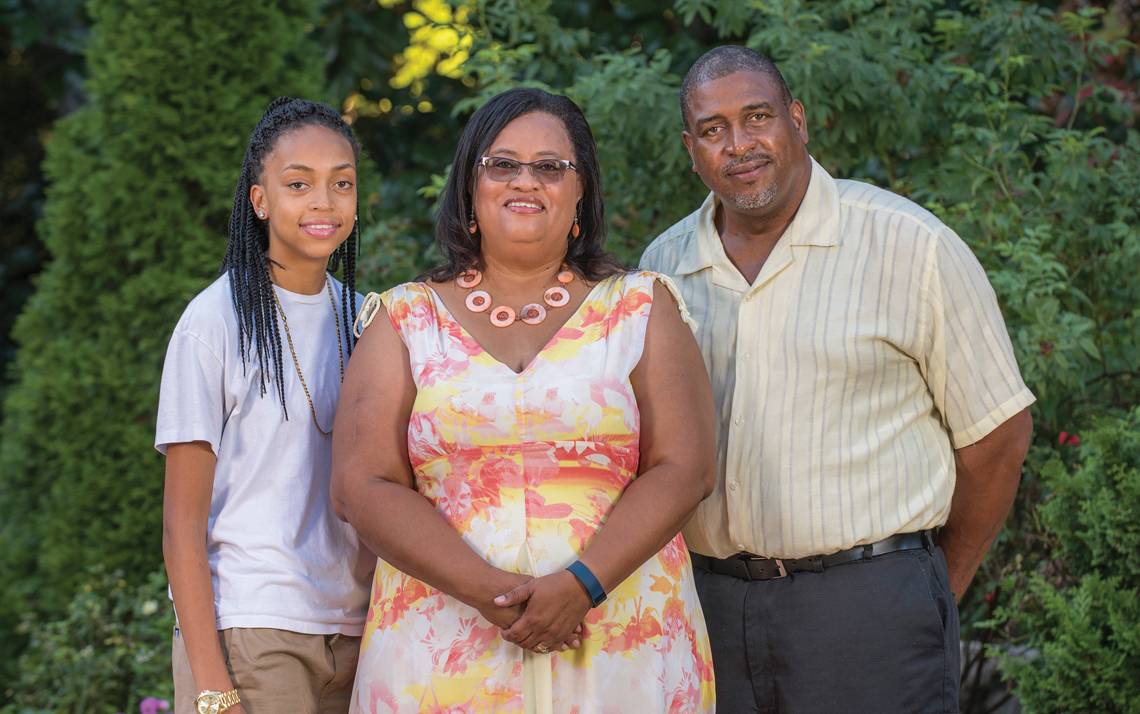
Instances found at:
x=141 y=186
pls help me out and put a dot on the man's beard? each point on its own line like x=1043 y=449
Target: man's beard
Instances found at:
x=757 y=200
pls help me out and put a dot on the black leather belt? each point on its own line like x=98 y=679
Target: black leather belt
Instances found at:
x=754 y=567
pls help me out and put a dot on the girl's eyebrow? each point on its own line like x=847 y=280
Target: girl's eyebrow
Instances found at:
x=302 y=167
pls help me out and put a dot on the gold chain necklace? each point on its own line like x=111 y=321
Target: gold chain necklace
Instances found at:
x=297 y=362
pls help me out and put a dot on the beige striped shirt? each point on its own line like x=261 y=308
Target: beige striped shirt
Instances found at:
x=867 y=349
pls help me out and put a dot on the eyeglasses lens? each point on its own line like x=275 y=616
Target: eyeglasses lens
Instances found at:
x=546 y=171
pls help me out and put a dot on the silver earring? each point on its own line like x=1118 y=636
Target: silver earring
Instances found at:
x=261 y=215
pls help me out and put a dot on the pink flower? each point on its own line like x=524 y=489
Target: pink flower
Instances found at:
x=153 y=705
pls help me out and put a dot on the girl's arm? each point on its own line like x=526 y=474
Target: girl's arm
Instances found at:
x=678 y=470
x=373 y=487
x=185 y=514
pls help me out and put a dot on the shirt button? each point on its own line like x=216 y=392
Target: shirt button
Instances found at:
x=741 y=547
x=737 y=421
x=732 y=486
x=746 y=355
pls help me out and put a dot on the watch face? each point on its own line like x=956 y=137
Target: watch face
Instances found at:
x=207 y=704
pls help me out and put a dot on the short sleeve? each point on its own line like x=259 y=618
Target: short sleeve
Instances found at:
x=968 y=363
x=675 y=291
x=191 y=401
x=632 y=307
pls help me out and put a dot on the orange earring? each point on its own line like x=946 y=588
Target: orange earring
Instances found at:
x=575 y=230
x=472 y=226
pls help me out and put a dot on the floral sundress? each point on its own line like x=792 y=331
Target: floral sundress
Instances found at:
x=526 y=466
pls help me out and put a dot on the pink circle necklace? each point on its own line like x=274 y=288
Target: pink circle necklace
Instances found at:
x=504 y=315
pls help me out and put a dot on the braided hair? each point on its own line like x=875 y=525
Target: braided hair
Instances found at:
x=247 y=253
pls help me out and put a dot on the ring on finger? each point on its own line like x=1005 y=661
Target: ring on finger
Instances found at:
x=542 y=649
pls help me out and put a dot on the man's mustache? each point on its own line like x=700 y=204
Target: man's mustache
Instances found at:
x=747 y=159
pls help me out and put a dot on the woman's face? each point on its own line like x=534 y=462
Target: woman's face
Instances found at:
x=525 y=211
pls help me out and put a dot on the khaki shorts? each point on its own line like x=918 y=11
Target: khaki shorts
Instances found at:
x=277 y=671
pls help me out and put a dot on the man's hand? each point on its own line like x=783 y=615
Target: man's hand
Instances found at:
x=988 y=473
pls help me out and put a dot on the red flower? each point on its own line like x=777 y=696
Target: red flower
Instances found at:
x=638 y=630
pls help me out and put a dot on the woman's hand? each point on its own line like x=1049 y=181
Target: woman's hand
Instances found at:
x=503 y=615
x=555 y=606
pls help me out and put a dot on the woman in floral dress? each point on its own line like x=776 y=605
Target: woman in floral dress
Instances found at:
x=521 y=438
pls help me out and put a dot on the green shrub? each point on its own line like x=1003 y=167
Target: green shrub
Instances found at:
x=1077 y=620
x=109 y=650
x=141 y=189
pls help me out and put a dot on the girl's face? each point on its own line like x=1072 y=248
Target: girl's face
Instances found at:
x=307 y=192
x=527 y=212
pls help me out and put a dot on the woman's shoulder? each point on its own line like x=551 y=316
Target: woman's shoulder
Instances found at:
x=633 y=279
x=640 y=281
x=403 y=291
x=404 y=294
x=642 y=286
x=398 y=301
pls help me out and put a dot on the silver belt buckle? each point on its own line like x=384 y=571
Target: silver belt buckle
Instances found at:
x=783 y=572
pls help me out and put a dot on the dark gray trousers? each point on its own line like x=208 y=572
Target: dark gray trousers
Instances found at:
x=877 y=636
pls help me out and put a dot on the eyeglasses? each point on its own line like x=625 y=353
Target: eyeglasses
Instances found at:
x=502 y=169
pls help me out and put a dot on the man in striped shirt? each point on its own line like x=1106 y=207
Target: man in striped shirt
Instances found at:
x=872 y=418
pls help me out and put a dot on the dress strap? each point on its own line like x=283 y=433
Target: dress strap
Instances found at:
x=368 y=311
x=675 y=291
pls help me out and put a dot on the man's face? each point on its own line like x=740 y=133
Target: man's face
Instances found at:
x=746 y=143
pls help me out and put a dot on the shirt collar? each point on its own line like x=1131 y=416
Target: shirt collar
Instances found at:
x=817 y=220
x=704 y=244
x=816 y=224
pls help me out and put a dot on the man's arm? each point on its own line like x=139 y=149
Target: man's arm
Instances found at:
x=988 y=472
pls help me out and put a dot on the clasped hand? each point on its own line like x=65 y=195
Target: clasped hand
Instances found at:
x=542 y=614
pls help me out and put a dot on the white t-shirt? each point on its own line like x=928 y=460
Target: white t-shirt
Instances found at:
x=279 y=556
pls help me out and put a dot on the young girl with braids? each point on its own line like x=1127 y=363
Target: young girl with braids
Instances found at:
x=269 y=587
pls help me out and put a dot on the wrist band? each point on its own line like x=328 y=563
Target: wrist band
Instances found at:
x=594 y=589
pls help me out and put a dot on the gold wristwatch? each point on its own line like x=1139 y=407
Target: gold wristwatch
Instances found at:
x=211 y=702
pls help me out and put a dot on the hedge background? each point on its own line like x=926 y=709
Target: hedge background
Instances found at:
x=1014 y=121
